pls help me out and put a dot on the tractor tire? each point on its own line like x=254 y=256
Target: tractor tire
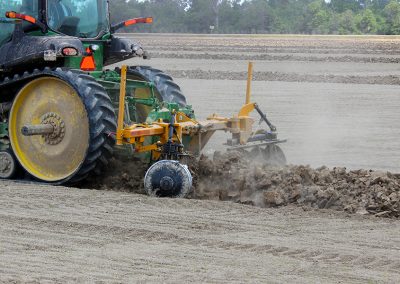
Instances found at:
x=83 y=117
x=166 y=90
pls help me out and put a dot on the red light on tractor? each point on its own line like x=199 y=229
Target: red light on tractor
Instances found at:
x=14 y=15
x=11 y=15
x=147 y=20
x=88 y=63
x=69 y=51
x=130 y=22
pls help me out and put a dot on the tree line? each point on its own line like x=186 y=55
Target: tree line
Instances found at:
x=263 y=16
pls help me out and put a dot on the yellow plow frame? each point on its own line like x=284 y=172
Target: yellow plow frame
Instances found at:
x=240 y=126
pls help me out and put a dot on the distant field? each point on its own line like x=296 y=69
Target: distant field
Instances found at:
x=336 y=98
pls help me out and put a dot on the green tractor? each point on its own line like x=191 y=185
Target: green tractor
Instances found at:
x=43 y=45
x=58 y=103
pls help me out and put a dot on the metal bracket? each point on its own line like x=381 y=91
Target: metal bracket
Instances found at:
x=254 y=144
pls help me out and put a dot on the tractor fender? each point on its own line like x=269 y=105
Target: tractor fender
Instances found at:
x=30 y=50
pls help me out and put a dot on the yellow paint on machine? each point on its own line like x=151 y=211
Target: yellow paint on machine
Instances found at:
x=50 y=163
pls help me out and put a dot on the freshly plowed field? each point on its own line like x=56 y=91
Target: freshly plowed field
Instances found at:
x=336 y=100
x=76 y=235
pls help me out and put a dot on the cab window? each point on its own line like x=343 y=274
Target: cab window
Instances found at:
x=29 y=7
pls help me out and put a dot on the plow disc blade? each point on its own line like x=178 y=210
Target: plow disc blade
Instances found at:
x=168 y=178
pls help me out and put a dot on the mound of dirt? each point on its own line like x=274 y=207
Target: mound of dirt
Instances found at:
x=231 y=177
x=122 y=175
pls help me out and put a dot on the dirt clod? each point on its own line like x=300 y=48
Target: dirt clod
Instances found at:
x=238 y=180
x=231 y=177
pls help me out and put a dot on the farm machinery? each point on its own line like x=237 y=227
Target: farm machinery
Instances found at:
x=63 y=115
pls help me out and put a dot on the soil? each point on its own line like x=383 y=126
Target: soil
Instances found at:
x=286 y=77
x=63 y=235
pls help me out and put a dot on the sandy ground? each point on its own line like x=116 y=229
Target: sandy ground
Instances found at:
x=55 y=234
x=70 y=235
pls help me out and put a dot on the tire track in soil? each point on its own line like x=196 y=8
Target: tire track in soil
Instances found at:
x=48 y=226
x=52 y=226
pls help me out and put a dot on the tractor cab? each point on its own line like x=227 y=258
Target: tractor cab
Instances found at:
x=60 y=33
x=78 y=18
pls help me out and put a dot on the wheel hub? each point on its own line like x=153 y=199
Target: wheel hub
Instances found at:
x=166 y=183
x=58 y=124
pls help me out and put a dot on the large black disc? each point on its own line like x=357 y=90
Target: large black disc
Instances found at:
x=168 y=179
x=274 y=156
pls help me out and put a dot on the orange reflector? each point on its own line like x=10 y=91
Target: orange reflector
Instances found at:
x=130 y=22
x=13 y=15
x=88 y=63
x=149 y=20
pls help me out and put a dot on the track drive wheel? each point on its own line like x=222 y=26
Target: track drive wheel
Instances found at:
x=82 y=118
x=165 y=88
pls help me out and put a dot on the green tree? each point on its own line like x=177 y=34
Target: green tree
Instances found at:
x=367 y=22
x=169 y=16
x=340 y=6
x=347 y=23
x=202 y=14
x=255 y=17
x=319 y=17
x=229 y=17
x=392 y=13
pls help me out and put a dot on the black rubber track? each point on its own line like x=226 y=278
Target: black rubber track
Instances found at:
x=101 y=115
x=166 y=89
